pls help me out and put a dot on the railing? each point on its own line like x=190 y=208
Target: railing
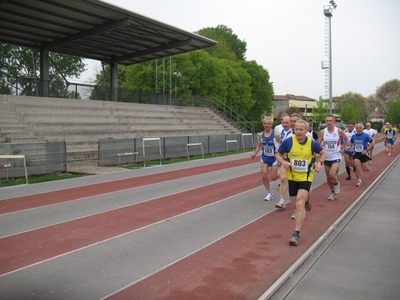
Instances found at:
x=232 y=116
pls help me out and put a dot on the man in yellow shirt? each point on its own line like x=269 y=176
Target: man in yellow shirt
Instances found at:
x=300 y=168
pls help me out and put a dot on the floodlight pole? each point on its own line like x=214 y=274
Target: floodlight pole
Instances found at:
x=328 y=13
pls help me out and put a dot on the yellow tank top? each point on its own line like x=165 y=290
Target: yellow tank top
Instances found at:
x=302 y=160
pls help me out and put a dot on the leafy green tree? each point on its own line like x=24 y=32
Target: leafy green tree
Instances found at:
x=356 y=100
x=220 y=71
x=351 y=112
x=393 y=111
x=262 y=90
x=229 y=45
x=319 y=112
x=390 y=90
x=18 y=74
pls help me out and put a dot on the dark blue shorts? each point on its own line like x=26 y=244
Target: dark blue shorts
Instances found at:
x=329 y=163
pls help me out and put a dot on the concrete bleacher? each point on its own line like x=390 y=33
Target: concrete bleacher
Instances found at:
x=81 y=123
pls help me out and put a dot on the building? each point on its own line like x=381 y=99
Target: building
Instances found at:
x=304 y=105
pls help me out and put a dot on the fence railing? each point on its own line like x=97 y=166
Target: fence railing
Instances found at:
x=232 y=116
x=41 y=158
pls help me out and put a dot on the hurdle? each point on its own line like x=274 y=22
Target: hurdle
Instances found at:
x=251 y=138
x=194 y=144
x=231 y=142
x=134 y=154
x=144 y=152
x=12 y=157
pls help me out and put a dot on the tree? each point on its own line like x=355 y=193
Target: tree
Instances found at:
x=19 y=76
x=229 y=45
x=319 y=112
x=351 y=112
x=393 y=111
x=262 y=90
x=390 y=90
x=355 y=100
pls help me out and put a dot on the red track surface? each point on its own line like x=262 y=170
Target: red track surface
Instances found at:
x=240 y=266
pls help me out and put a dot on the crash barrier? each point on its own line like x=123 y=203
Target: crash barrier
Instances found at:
x=40 y=158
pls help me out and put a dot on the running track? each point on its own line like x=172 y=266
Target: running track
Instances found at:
x=199 y=231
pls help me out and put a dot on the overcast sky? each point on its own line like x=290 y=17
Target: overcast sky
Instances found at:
x=286 y=37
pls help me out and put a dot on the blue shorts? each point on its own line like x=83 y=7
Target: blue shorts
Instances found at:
x=269 y=160
x=329 y=163
x=351 y=153
x=390 y=141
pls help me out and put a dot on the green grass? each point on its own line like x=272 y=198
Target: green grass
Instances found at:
x=53 y=177
x=38 y=179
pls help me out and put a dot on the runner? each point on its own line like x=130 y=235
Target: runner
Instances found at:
x=372 y=133
x=331 y=136
x=386 y=128
x=390 y=138
x=280 y=137
x=348 y=152
x=282 y=188
x=362 y=143
x=268 y=161
x=299 y=167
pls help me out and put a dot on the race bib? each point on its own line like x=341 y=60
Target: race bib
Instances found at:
x=330 y=145
x=358 y=147
x=269 y=151
x=299 y=165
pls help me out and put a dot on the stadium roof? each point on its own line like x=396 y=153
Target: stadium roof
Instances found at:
x=92 y=29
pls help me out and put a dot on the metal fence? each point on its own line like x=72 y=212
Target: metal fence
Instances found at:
x=41 y=158
x=120 y=151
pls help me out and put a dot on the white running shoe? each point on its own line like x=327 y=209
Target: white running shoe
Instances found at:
x=336 y=188
x=269 y=197
x=332 y=197
x=293 y=217
x=389 y=154
x=358 y=182
x=281 y=204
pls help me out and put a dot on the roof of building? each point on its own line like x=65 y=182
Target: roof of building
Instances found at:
x=292 y=97
x=377 y=114
x=92 y=29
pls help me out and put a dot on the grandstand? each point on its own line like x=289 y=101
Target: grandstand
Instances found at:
x=81 y=123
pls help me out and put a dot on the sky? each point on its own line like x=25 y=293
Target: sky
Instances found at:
x=287 y=37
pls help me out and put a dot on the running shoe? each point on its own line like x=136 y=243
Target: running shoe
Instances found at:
x=358 y=182
x=336 y=188
x=281 y=204
x=269 y=197
x=293 y=217
x=389 y=154
x=332 y=197
x=294 y=241
x=348 y=177
x=368 y=168
x=308 y=204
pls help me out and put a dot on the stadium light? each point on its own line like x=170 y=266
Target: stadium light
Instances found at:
x=328 y=12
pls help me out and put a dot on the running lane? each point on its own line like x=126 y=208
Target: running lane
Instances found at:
x=246 y=263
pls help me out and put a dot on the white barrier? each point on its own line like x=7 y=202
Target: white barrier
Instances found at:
x=134 y=154
x=144 y=153
x=252 y=141
x=194 y=144
x=12 y=157
x=231 y=142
